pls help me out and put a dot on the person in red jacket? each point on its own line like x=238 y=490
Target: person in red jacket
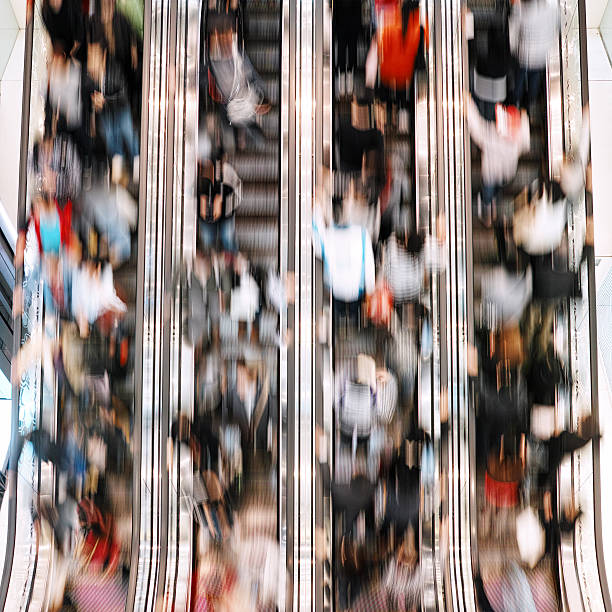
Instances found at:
x=398 y=45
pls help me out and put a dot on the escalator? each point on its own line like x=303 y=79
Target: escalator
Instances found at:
x=403 y=349
x=200 y=495
x=558 y=580
x=67 y=523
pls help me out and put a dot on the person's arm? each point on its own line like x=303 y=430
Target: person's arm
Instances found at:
x=231 y=178
x=370 y=269
x=514 y=28
x=480 y=129
x=371 y=65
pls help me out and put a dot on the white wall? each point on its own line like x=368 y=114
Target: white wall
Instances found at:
x=595 y=10
x=10 y=128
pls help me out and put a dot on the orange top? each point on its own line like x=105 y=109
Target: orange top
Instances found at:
x=397 y=51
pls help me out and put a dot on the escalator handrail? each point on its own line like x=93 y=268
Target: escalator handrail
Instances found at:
x=140 y=311
x=15 y=446
x=592 y=308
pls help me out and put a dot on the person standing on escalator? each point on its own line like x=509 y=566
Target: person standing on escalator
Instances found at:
x=534 y=30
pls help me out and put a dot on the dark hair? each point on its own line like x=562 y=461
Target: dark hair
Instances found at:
x=97 y=36
x=60 y=47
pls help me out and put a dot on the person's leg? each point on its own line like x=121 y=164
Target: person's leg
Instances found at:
x=488 y=193
x=130 y=137
x=208 y=235
x=111 y=134
x=227 y=234
x=520 y=83
x=534 y=82
x=343 y=590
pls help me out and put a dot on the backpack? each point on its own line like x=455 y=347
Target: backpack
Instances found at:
x=100 y=548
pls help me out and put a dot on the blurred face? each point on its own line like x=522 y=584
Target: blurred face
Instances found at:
x=222 y=40
x=58 y=60
x=108 y=9
x=95 y=60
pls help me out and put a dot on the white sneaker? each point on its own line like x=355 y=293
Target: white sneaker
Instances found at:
x=116 y=169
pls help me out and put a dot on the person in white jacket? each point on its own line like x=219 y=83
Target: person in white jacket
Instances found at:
x=348 y=260
x=500 y=151
x=534 y=30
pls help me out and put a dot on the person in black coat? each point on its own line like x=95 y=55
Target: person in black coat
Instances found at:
x=123 y=45
x=106 y=98
x=491 y=70
x=248 y=404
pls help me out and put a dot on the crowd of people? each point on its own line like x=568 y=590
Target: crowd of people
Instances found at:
x=236 y=296
x=77 y=243
x=523 y=280
x=377 y=259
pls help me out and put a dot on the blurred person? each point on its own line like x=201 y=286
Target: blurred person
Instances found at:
x=347 y=28
x=261 y=559
x=220 y=194
x=52 y=225
x=548 y=454
x=57 y=168
x=501 y=144
x=407 y=257
x=220 y=583
x=398 y=46
x=65 y=23
x=348 y=262
x=248 y=404
x=64 y=102
x=491 y=70
x=355 y=503
x=114 y=213
x=245 y=295
x=361 y=150
x=534 y=30
x=93 y=294
x=235 y=83
x=105 y=89
x=123 y=44
x=402 y=578
x=539 y=230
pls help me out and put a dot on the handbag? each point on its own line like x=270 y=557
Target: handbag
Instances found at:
x=379 y=305
x=244 y=300
x=507 y=294
x=100 y=547
x=544 y=374
x=403 y=272
x=357 y=409
x=386 y=396
x=244 y=99
x=530 y=537
x=539 y=228
x=508 y=346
